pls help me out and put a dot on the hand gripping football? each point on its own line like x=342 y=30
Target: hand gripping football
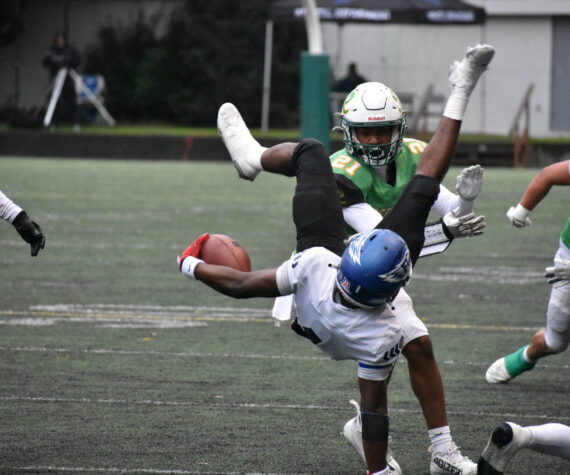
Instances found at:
x=223 y=250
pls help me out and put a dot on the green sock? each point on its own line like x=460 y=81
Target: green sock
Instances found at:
x=516 y=364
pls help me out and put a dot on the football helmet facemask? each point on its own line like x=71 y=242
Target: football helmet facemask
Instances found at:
x=372 y=104
x=373 y=268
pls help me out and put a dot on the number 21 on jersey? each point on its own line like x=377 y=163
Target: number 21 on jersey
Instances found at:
x=347 y=164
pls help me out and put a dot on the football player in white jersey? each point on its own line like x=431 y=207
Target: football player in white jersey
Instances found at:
x=28 y=230
x=344 y=291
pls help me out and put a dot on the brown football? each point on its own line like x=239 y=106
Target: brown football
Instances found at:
x=223 y=250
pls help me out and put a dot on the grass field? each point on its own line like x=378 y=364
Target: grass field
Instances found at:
x=112 y=362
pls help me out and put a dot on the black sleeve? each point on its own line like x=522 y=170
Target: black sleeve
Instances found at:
x=348 y=193
x=409 y=216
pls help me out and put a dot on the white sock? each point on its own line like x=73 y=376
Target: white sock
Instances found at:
x=552 y=439
x=526 y=357
x=254 y=158
x=440 y=438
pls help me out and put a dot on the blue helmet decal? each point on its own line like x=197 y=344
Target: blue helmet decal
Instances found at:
x=401 y=271
x=355 y=246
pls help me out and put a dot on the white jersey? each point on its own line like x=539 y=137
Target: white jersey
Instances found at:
x=370 y=336
x=8 y=209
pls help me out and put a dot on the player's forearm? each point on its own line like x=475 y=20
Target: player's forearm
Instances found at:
x=437 y=155
x=557 y=174
x=534 y=194
x=361 y=217
x=237 y=284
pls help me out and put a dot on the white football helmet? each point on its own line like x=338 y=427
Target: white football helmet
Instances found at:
x=372 y=104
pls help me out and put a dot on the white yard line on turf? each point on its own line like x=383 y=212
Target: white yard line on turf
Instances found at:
x=167 y=316
x=51 y=468
x=308 y=407
x=196 y=354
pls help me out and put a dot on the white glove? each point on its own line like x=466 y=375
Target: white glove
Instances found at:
x=519 y=216
x=560 y=271
x=469 y=182
x=468 y=187
x=467 y=225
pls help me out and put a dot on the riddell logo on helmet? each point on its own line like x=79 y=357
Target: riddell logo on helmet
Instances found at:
x=377 y=117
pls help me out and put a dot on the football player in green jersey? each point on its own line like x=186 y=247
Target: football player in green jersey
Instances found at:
x=371 y=172
x=556 y=337
x=376 y=161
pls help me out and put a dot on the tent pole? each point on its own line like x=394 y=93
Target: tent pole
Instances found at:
x=313 y=25
x=267 y=75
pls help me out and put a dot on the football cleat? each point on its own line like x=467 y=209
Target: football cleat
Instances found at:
x=352 y=432
x=464 y=74
x=507 y=368
x=244 y=150
x=497 y=372
x=505 y=441
x=451 y=462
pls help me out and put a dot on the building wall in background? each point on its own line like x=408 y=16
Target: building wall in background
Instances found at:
x=406 y=57
x=410 y=58
x=22 y=59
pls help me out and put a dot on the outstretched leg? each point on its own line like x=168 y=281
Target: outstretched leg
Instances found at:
x=248 y=156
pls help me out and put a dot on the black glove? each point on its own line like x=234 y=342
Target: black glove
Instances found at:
x=30 y=232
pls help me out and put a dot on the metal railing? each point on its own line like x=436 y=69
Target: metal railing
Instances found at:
x=520 y=131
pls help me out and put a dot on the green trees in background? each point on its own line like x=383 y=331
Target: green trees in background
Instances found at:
x=206 y=54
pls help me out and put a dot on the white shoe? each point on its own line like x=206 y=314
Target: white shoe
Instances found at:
x=451 y=462
x=352 y=432
x=505 y=441
x=243 y=148
x=464 y=74
x=497 y=372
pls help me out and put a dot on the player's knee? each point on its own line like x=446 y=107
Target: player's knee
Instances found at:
x=556 y=342
x=419 y=348
x=310 y=154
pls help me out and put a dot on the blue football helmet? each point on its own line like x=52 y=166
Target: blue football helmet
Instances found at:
x=373 y=268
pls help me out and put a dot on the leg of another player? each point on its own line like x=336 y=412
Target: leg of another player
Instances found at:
x=278 y=159
x=552 y=439
x=375 y=425
x=538 y=347
x=553 y=340
x=428 y=387
x=509 y=438
x=248 y=156
x=426 y=381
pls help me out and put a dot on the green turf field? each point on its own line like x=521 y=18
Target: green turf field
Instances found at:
x=111 y=361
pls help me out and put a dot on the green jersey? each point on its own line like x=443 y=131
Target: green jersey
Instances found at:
x=359 y=183
x=565 y=235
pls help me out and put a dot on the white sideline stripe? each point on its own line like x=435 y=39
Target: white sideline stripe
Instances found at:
x=213 y=314
x=51 y=468
x=90 y=316
x=176 y=308
x=102 y=351
x=462 y=326
x=192 y=354
x=484 y=274
x=148 y=402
